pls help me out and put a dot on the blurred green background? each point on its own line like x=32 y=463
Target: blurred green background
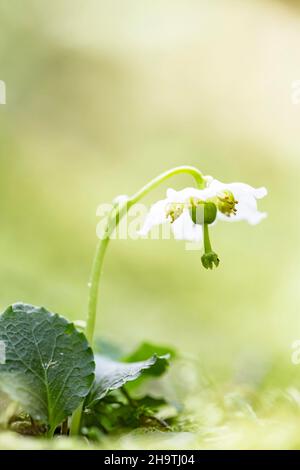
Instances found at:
x=104 y=95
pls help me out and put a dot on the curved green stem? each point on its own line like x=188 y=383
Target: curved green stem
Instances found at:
x=199 y=179
x=93 y=288
x=115 y=217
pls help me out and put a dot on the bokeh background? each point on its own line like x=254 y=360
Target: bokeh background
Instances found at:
x=104 y=95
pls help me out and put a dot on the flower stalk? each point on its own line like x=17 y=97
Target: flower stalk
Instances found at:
x=116 y=215
x=209 y=258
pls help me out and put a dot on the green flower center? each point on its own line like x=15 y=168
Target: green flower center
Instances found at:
x=202 y=212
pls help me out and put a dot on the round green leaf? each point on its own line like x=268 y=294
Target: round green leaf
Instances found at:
x=49 y=366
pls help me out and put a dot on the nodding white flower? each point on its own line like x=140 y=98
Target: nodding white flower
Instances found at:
x=190 y=209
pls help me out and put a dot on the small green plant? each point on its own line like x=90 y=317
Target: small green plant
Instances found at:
x=53 y=371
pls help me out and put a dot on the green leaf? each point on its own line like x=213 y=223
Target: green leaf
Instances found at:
x=146 y=350
x=49 y=366
x=111 y=375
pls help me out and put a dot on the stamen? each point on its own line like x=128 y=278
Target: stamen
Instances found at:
x=174 y=210
x=226 y=203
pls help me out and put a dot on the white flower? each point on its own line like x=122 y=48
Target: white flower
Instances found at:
x=234 y=202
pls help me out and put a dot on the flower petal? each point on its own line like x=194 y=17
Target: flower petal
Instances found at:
x=155 y=216
x=246 y=196
x=259 y=193
x=184 y=228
